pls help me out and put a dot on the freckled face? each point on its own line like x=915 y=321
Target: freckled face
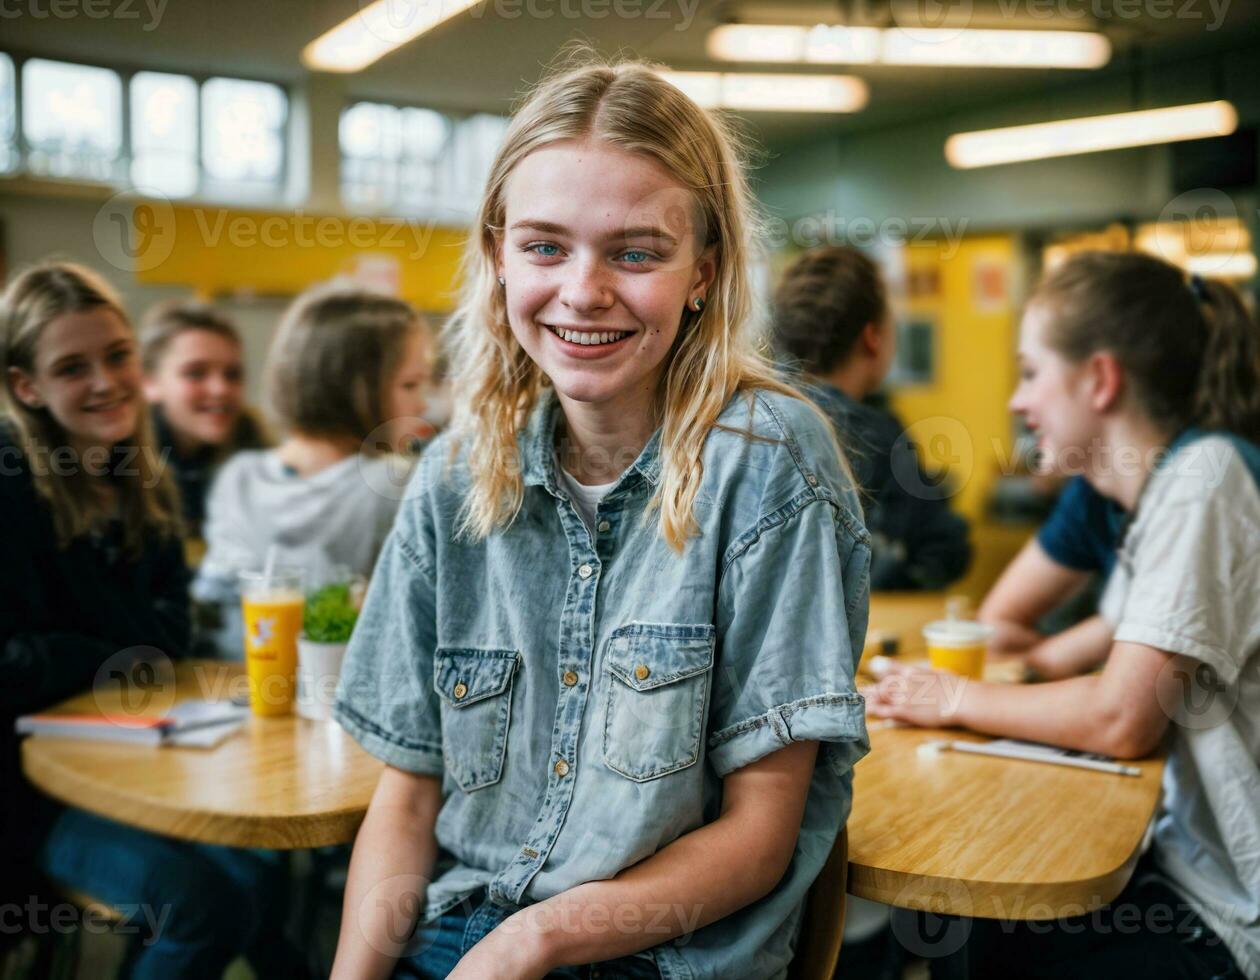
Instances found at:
x=1051 y=395
x=601 y=257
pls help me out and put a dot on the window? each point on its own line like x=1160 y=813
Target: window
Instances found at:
x=242 y=132
x=371 y=146
x=415 y=160
x=72 y=119
x=164 y=133
x=224 y=138
x=8 y=116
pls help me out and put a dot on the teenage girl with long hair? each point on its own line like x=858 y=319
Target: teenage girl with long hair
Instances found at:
x=608 y=651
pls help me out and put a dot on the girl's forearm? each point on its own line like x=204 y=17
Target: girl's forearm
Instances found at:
x=701 y=877
x=1073 y=713
x=392 y=861
x=1074 y=651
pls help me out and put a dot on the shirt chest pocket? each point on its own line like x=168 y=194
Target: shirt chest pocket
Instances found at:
x=658 y=687
x=475 y=687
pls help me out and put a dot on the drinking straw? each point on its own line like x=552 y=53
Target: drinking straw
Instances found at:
x=270 y=565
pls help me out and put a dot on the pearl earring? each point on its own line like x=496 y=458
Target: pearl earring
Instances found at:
x=502 y=281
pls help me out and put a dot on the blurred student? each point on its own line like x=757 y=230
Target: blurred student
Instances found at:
x=1124 y=365
x=194 y=381
x=93 y=575
x=630 y=496
x=831 y=317
x=345 y=381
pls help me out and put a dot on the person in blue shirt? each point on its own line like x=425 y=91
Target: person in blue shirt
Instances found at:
x=832 y=321
x=608 y=651
x=1143 y=380
x=1066 y=563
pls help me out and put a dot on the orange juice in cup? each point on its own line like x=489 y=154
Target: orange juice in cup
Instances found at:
x=272 y=606
x=958 y=645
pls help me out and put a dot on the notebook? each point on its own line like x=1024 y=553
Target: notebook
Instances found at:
x=192 y=723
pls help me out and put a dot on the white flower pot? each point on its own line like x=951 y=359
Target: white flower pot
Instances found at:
x=319 y=667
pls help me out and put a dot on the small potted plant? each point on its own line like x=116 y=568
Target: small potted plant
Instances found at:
x=327 y=622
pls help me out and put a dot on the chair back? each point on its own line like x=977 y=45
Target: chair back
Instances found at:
x=822 y=928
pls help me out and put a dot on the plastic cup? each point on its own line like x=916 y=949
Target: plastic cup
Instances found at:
x=272 y=608
x=958 y=646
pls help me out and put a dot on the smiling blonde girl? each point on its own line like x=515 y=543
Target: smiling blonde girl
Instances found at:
x=608 y=651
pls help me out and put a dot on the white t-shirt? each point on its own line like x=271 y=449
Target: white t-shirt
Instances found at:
x=1187 y=581
x=585 y=498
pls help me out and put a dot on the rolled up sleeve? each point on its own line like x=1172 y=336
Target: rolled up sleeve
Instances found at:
x=385 y=698
x=792 y=609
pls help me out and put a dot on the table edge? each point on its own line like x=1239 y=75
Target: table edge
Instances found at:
x=288 y=832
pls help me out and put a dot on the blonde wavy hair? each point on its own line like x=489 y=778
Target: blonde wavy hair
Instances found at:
x=718 y=353
x=148 y=498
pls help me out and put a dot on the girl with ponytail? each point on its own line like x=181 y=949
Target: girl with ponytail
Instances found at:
x=1146 y=382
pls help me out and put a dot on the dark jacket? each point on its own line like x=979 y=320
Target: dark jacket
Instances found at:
x=63 y=613
x=917 y=542
x=195 y=473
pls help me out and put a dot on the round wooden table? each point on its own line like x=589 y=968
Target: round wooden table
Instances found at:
x=978 y=836
x=279 y=782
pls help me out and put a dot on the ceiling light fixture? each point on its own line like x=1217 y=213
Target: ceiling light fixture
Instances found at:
x=376 y=30
x=1093 y=134
x=772 y=93
x=835 y=45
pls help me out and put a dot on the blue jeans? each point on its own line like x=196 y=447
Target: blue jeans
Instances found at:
x=193 y=907
x=443 y=943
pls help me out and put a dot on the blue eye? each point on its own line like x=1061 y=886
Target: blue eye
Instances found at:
x=546 y=249
x=636 y=256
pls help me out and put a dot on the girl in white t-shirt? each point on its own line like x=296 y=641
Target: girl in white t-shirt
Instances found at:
x=1126 y=368
x=345 y=380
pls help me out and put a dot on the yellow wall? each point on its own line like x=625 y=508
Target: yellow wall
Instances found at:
x=221 y=250
x=960 y=420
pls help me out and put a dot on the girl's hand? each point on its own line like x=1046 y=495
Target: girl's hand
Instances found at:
x=917 y=696
x=512 y=953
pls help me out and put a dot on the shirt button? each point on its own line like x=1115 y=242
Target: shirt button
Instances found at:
x=641 y=672
x=562 y=768
x=570 y=678
x=585 y=570
x=460 y=690
x=603 y=527
x=811 y=479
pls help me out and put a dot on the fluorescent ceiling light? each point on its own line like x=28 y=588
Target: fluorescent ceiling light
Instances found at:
x=1222 y=265
x=376 y=30
x=986 y=148
x=828 y=45
x=772 y=93
x=997 y=49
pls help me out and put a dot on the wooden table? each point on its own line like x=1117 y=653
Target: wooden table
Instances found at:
x=995 y=838
x=280 y=782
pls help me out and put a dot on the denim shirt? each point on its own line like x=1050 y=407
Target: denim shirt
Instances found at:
x=582 y=694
